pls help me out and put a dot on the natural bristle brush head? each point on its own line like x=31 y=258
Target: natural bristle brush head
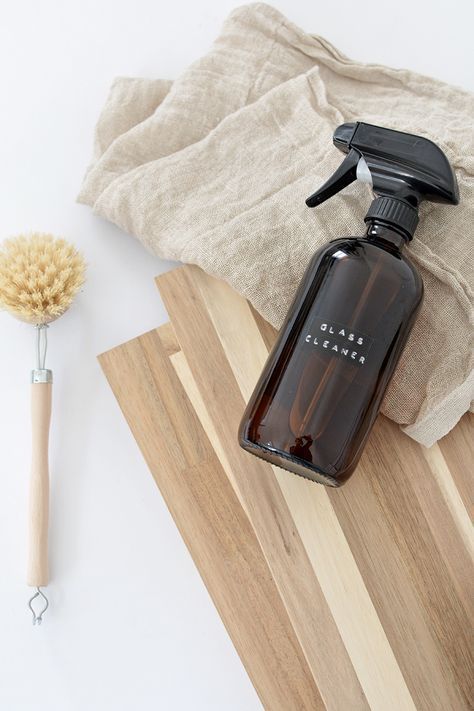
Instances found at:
x=39 y=277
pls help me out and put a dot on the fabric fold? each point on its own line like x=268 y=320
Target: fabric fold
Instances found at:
x=213 y=169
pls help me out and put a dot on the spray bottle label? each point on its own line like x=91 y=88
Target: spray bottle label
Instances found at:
x=339 y=340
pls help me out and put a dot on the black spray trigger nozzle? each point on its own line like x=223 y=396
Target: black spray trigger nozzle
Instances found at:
x=402 y=168
x=341 y=178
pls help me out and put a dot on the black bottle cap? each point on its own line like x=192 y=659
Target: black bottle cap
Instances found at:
x=394 y=212
x=403 y=169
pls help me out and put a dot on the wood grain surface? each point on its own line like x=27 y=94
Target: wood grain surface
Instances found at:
x=37 y=571
x=355 y=598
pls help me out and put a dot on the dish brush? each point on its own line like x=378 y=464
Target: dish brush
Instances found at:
x=39 y=278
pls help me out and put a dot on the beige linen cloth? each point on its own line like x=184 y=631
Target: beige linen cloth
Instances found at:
x=214 y=168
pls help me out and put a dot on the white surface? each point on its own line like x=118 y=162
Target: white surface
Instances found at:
x=130 y=625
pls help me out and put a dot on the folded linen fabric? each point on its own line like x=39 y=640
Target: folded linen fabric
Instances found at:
x=213 y=169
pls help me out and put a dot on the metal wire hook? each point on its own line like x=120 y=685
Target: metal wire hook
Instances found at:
x=41 y=345
x=37 y=619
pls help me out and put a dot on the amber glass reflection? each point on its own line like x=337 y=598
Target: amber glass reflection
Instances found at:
x=323 y=383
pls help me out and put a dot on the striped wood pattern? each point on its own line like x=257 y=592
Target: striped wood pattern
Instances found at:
x=341 y=599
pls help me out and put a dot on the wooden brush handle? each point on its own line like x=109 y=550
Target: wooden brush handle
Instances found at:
x=37 y=572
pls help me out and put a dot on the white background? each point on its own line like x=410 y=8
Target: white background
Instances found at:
x=130 y=625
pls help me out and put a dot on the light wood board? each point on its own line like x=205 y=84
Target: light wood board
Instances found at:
x=357 y=598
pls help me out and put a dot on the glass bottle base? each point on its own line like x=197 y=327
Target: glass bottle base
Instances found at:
x=290 y=463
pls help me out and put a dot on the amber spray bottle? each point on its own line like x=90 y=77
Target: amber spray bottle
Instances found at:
x=321 y=389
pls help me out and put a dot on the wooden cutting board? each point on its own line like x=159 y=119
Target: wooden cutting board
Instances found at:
x=356 y=598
